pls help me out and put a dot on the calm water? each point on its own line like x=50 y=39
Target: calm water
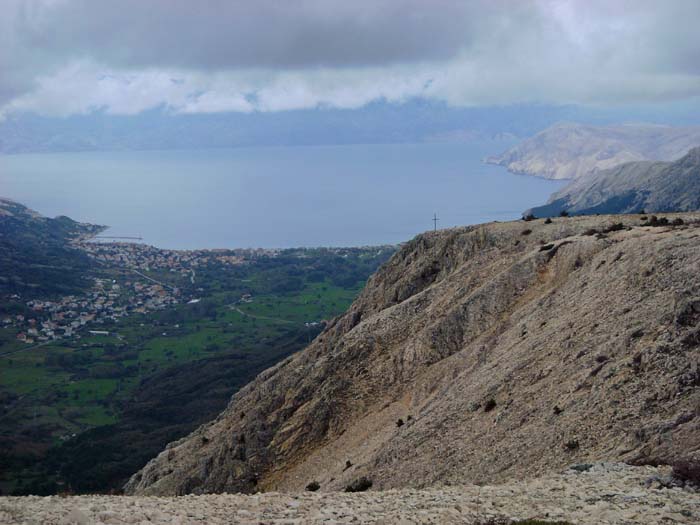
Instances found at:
x=274 y=197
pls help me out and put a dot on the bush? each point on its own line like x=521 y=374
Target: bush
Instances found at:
x=572 y=445
x=548 y=221
x=677 y=222
x=614 y=227
x=687 y=471
x=399 y=422
x=489 y=405
x=313 y=486
x=656 y=221
x=359 y=485
x=526 y=232
x=563 y=213
x=507 y=521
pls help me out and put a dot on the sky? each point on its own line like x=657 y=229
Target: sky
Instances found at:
x=124 y=57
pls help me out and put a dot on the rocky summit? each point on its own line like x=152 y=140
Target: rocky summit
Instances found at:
x=476 y=355
x=584 y=494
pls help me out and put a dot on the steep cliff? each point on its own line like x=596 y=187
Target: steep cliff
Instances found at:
x=505 y=349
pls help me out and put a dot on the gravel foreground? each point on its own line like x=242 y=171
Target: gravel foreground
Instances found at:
x=605 y=493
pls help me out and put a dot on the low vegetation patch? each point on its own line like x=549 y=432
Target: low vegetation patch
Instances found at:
x=618 y=226
x=359 y=485
x=313 y=486
x=687 y=471
x=508 y=521
x=656 y=221
x=572 y=445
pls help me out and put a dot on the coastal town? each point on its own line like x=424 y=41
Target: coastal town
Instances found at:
x=108 y=300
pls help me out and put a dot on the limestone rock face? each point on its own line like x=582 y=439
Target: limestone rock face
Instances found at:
x=507 y=350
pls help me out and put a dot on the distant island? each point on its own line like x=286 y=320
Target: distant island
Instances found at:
x=626 y=168
x=570 y=150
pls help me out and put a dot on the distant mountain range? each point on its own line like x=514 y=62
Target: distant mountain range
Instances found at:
x=416 y=120
x=571 y=150
x=632 y=188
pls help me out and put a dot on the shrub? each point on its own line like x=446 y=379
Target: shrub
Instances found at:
x=507 y=521
x=548 y=221
x=529 y=217
x=656 y=221
x=677 y=222
x=563 y=213
x=687 y=471
x=399 y=422
x=313 y=486
x=590 y=231
x=359 y=485
x=571 y=445
x=489 y=405
x=557 y=410
x=614 y=227
x=526 y=232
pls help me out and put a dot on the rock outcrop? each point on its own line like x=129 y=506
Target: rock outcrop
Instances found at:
x=631 y=188
x=475 y=355
x=585 y=495
x=569 y=150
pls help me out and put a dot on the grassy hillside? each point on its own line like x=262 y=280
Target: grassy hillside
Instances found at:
x=35 y=256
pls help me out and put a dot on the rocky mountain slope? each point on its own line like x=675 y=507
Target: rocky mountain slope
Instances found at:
x=632 y=187
x=570 y=150
x=475 y=355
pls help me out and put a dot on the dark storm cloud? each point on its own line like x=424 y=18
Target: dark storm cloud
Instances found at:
x=216 y=34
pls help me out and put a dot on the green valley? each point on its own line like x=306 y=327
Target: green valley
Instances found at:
x=103 y=379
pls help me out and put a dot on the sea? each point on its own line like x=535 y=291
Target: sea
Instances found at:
x=275 y=197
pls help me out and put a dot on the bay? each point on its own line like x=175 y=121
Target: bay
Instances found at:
x=275 y=197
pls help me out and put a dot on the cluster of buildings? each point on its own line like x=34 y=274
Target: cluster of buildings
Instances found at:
x=108 y=301
x=145 y=257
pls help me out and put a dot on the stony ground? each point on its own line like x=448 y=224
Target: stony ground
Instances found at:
x=606 y=493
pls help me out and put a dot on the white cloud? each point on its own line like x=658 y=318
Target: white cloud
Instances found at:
x=62 y=57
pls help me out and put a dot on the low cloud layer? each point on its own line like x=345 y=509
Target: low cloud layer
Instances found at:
x=60 y=57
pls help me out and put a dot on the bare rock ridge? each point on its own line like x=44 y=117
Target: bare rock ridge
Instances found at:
x=475 y=355
x=631 y=188
x=570 y=151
